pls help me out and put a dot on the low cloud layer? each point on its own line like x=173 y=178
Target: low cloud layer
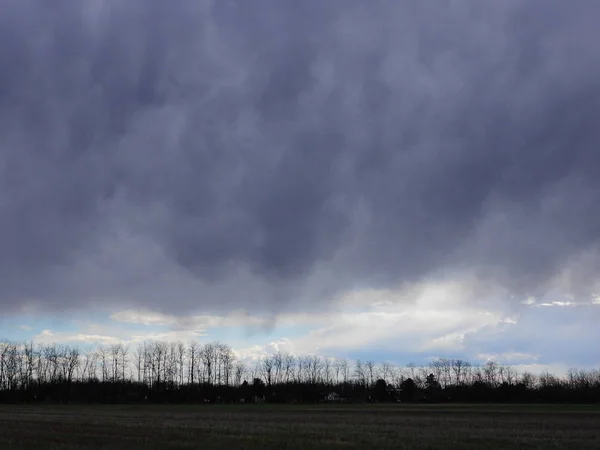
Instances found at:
x=437 y=325
x=206 y=155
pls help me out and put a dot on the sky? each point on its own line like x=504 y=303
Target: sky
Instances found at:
x=388 y=180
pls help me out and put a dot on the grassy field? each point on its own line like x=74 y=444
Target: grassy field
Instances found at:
x=300 y=427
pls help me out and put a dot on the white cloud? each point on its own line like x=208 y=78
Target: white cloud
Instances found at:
x=425 y=318
x=234 y=319
x=169 y=336
x=255 y=352
x=556 y=369
x=563 y=304
x=529 y=300
x=509 y=358
x=556 y=335
x=54 y=337
x=144 y=318
x=425 y=321
x=436 y=317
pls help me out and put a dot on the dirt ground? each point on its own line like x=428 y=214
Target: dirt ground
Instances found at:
x=299 y=427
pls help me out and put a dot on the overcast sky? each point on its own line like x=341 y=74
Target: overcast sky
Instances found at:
x=190 y=157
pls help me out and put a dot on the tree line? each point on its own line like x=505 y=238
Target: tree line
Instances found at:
x=158 y=371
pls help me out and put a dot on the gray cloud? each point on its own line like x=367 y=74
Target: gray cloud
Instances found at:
x=215 y=153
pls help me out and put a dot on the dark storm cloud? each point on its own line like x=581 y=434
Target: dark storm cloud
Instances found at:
x=216 y=152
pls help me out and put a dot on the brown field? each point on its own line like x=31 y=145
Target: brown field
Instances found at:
x=299 y=427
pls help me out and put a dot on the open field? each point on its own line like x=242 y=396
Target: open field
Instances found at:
x=300 y=427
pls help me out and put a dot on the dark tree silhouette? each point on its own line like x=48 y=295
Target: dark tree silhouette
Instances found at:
x=408 y=391
x=157 y=371
x=380 y=392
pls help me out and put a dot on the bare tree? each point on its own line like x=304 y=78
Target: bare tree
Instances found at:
x=436 y=368
x=240 y=369
x=387 y=372
x=370 y=369
x=28 y=363
x=314 y=368
x=459 y=369
x=72 y=362
x=124 y=361
x=209 y=353
x=89 y=359
x=181 y=355
x=139 y=361
x=9 y=370
x=103 y=355
x=278 y=367
x=491 y=370
x=227 y=363
x=528 y=380
x=115 y=361
x=301 y=369
x=193 y=352
x=343 y=368
x=159 y=361
x=400 y=374
x=162 y=368
x=267 y=364
x=421 y=377
x=50 y=355
x=327 y=370
x=412 y=370
x=360 y=373
x=289 y=362
x=3 y=353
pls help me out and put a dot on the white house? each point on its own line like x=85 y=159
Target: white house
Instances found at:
x=332 y=397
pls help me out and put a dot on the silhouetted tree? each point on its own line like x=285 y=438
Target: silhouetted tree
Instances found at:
x=433 y=389
x=380 y=390
x=408 y=391
x=159 y=371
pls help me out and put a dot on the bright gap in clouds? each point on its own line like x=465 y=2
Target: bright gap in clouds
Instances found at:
x=439 y=320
